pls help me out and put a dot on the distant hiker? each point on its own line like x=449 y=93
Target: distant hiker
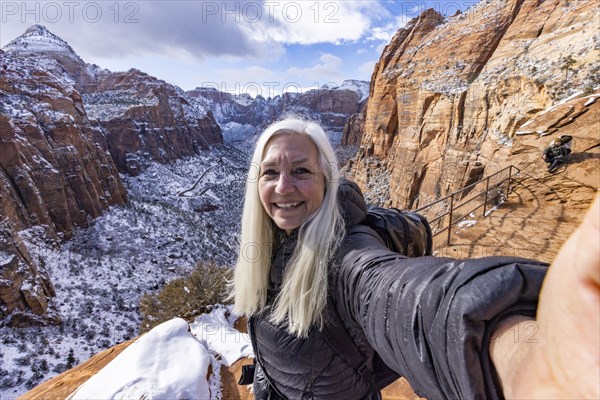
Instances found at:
x=309 y=272
x=556 y=153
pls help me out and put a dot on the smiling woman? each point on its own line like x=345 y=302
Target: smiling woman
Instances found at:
x=291 y=185
x=310 y=273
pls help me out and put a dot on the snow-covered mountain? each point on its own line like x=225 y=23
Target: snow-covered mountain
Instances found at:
x=66 y=128
x=241 y=117
x=38 y=41
x=137 y=117
x=54 y=174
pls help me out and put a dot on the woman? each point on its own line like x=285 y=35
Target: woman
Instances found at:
x=307 y=269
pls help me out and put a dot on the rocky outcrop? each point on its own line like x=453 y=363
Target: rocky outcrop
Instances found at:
x=242 y=109
x=53 y=171
x=61 y=386
x=436 y=123
x=66 y=129
x=241 y=117
x=334 y=106
x=137 y=118
x=52 y=174
x=355 y=126
x=146 y=119
x=24 y=288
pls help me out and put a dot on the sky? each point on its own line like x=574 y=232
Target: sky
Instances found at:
x=255 y=47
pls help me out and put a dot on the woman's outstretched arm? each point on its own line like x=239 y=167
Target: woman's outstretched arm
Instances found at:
x=564 y=361
x=432 y=319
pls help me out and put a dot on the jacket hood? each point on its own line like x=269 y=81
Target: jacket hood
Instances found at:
x=352 y=203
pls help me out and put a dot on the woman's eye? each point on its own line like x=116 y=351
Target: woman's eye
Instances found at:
x=301 y=171
x=269 y=173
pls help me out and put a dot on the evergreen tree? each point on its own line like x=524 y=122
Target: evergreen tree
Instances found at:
x=70 y=359
x=567 y=64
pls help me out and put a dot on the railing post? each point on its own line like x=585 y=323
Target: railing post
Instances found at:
x=509 y=178
x=450 y=214
x=487 y=187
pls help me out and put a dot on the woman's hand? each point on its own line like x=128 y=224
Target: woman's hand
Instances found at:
x=564 y=361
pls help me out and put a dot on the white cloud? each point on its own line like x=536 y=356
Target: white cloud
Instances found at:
x=195 y=29
x=304 y=22
x=116 y=29
x=328 y=68
x=230 y=42
x=386 y=32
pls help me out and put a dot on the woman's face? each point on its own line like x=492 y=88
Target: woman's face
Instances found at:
x=291 y=185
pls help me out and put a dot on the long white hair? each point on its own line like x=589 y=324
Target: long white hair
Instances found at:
x=303 y=295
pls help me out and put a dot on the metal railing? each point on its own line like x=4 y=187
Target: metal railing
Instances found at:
x=456 y=204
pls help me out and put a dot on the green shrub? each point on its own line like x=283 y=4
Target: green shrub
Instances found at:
x=588 y=90
x=186 y=297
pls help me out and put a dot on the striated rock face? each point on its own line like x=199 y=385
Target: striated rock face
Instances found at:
x=52 y=172
x=66 y=129
x=24 y=288
x=449 y=95
x=241 y=116
x=143 y=118
x=135 y=116
x=355 y=126
x=334 y=105
x=52 y=169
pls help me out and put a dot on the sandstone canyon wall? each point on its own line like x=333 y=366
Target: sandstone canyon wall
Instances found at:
x=53 y=173
x=449 y=95
x=146 y=119
x=242 y=117
x=67 y=129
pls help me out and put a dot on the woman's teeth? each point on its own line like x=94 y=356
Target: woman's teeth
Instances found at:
x=287 y=205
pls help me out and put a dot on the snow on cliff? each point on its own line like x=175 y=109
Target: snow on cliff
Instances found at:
x=172 y=361
x=38 y=39
x=360 y=87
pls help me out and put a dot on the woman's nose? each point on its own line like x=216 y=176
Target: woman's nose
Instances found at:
x=285 y=185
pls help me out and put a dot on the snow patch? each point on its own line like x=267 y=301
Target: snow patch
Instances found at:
x=591 y=100
x=108 y=105
x=563 y=101
x=216 y=332
x=171 y=361
x=6 y=258
x=166 y=363
x=466 y=223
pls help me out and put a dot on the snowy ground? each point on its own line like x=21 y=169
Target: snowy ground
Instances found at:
x=172 y=361
x=177 y=215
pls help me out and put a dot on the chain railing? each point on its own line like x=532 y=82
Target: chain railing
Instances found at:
x=458 y=205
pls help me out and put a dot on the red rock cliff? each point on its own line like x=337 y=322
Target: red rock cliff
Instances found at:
x=52 y=173
x=449 y=95
x=144 y=118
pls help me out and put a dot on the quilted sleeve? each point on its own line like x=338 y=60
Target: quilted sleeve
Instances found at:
x=429 y=318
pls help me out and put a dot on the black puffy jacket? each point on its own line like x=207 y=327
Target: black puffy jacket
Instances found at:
x=429 y=319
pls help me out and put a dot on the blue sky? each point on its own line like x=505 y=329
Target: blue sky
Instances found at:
x=256 y=47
